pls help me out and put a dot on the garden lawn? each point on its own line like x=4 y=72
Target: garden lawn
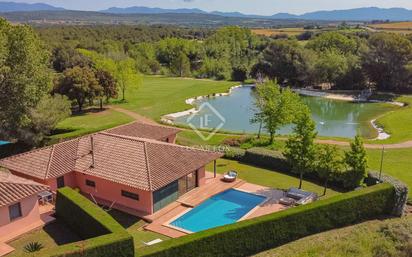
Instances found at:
x=158 y=96
x=52 y=235
x=87 y=123
x=368 y=239
x=397 y=163
x=398 y=123
x=269 y=178
x=134 y=226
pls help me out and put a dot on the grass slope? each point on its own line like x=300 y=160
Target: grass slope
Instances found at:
x=370 y=239
x=160 y=95
x=398 y=123
x=87 y=123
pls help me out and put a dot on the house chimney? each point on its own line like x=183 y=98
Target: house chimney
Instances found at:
x=92 y=151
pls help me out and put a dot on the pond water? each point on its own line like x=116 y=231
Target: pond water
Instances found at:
x=333 y=118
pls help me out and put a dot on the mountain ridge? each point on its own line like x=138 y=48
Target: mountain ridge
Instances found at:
x=356 y=14
x=364 y=13
x=21 y=7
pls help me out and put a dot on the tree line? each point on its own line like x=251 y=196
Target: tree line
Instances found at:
x=338 y=59
x=381 y=61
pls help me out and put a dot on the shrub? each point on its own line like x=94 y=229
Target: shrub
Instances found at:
x=233 y=153
x=251 y=236
x=104 y=236
x=235 y=141
x=267 y=158
x=33 y=247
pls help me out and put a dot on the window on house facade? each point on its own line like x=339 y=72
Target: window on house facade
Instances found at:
x=60 y=182
x=90 y=183
x=15 y=211
x=130 y=195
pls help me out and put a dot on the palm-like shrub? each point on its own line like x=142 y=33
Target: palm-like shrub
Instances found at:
x=33 y=247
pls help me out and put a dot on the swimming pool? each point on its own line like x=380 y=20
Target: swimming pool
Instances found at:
x=222 y=209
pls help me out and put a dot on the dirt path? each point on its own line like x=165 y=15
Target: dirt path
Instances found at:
x=403 y=145
x=132 y=114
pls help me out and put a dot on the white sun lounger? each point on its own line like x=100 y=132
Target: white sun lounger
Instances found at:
x=156 y=241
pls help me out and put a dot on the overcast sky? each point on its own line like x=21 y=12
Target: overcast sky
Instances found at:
x=264 y=7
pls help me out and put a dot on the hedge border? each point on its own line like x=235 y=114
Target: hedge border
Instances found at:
x=106 y=237
x=252 y=236
x=401 y=191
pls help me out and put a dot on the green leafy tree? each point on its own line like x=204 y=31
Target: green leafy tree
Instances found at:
x=66 y=57
x=328 y=164
x=300 y=150
x=126 y=75
x=387 y=62
x=239 y=73
x=121 y=67
x=48 y=113
x=276 y=107
x=180 y=65
x=79 y=84
x=330 y=67
x=109 y=85
x=288 y=62
x=335 y=41
x=357 y=162
x=25 y=79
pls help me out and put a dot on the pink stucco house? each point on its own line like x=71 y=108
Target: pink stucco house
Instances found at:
x=19 y=207
x=134 y=168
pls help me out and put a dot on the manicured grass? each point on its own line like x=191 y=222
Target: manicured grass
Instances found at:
x=158 y=96
x=369 y=239
x=134 y=226
x=398 y=123
x=52 y=235
x=397 y=163
x=269 y=178
x=90 y=122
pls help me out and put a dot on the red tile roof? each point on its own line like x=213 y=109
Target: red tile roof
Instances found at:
x=143 y=130
x=44 y=163
x=140 y=163
x=144 y=164
x=14 y=189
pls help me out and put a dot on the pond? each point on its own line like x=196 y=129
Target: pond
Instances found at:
x=333 y=118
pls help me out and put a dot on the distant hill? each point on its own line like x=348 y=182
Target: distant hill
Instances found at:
x=178 y=19
x=23 y=7
x=149 y=10
x=187 y=16
x=359 y=14
x=368 y=13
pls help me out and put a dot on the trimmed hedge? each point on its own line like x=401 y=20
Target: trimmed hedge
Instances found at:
x=234 y=153
x=401 y=191
x=267 y=158
x=104 y=235
x=252 y=236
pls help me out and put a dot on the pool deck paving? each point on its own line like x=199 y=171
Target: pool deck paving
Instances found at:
x=159 y=222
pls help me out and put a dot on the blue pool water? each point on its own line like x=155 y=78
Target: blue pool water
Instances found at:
x=219 y=210
x=4 y=142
